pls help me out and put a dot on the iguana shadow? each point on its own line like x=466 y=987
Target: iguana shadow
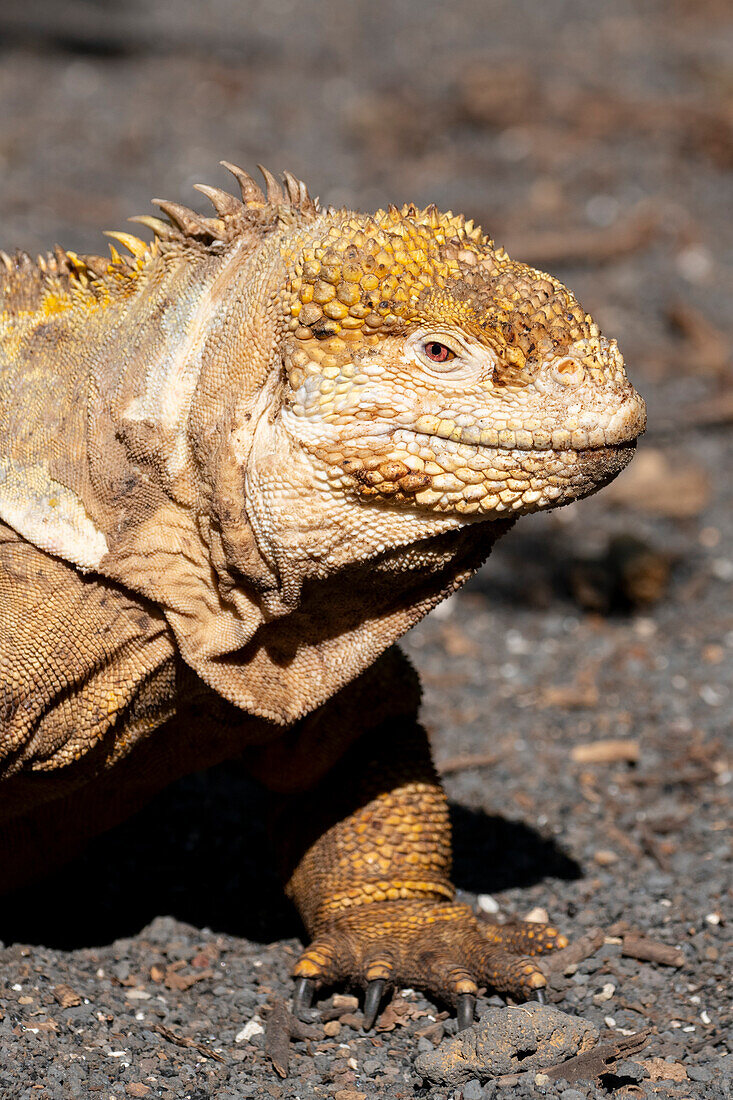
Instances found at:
x=199 y=852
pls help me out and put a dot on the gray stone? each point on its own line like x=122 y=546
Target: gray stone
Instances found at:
x=472 y=1090
x=627 y=1068
x=510 y=1040
x=699 y=1073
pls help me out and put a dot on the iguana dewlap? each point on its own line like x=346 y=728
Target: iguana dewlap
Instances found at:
x=235 y=467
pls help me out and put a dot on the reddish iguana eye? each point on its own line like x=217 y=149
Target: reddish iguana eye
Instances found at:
x=437 y=352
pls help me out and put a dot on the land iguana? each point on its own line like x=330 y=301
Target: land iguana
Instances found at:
x=235 y=466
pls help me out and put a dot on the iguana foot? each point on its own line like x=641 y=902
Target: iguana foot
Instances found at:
x=439 y=947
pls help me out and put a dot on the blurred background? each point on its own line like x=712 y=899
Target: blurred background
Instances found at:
x=594 y=140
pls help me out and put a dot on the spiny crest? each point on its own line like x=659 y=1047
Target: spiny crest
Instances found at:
x=21 y=281
x=256 y=208
x=55 y=281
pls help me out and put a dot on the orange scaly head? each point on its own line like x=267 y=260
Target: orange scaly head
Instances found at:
x=428 y=369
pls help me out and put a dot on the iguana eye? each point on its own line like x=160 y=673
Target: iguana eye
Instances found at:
x=437 y=352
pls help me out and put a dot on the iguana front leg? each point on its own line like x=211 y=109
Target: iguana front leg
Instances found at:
x=367 y=859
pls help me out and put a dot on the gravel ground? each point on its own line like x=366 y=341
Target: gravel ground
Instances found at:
x=596 y=140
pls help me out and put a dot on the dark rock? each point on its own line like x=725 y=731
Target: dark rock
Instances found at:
x=629 y=1069
x=725 y=1066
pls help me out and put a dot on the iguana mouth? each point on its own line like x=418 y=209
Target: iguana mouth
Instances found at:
x=615 y=446
x=623 y=425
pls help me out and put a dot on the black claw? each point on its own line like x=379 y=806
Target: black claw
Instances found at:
x=372 y=1000
x=465 y=1008
x=540 y=996
x=303 y=996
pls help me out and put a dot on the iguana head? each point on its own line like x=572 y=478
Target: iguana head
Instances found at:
x=390 y=378
x=426 y=370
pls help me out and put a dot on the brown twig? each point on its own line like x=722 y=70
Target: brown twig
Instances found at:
x=606 y=752
x=639 y=947
x=586 y=1067
x=718 y=410
x=277 y=1038
x=558 y=961
x=705 y=344
x=462 y=762
x=184 y=1041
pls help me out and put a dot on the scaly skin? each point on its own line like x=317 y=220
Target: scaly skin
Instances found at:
x=234 y=469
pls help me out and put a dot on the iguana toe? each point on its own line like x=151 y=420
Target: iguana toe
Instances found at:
x=303 y=994
x=525 y=937
x=372 y=1001
x=465 y=1009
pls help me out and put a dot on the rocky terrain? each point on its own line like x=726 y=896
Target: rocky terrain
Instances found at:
x=578 y=691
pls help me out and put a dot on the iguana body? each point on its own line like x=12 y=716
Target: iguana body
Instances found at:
x=234 y=469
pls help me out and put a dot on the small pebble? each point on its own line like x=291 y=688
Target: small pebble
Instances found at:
x=250 y=1029
x=537 y=915
x=487 y=904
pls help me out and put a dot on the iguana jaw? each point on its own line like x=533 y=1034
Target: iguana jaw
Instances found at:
x=427 y=474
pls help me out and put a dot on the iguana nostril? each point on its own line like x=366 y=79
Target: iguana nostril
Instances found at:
x=568 y=372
